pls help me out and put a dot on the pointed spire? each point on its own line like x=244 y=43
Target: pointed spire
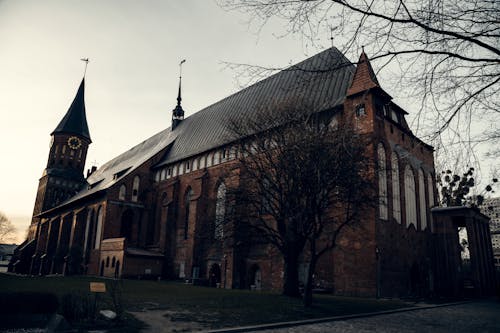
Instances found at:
x=178 y=112
x=364 y=77
x=75 y=120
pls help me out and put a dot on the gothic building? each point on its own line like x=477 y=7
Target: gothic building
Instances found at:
x=159 y=208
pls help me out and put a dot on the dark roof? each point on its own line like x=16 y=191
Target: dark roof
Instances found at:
x=75 y=120
x=321 y=80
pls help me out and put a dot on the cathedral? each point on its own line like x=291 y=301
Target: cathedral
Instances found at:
x=155 y=210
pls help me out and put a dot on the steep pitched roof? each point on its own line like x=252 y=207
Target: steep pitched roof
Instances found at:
x=364 y=78
x=75 y=120
x=321 y=80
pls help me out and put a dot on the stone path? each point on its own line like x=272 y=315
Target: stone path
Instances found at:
x=466 y=318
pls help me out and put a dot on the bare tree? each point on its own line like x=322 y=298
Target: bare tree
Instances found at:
x=446 y=53
x=7 y=229
x=303 y=181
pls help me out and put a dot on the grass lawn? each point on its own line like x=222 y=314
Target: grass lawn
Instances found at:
x=214 y=308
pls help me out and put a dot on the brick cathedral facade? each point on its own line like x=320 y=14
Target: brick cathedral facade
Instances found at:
x=153 y=210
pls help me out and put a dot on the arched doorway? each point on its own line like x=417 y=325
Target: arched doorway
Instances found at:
x=255 y=279
x=214 y=275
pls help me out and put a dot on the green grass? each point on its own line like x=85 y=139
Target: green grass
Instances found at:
x=212 y=307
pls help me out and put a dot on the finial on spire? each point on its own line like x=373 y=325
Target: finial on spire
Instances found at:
x=331 y=35
x=86 y=60
x=179 y=98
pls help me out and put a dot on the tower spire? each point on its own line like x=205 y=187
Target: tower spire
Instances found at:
x=178 y=112
x=364 y=77
x=75 y=119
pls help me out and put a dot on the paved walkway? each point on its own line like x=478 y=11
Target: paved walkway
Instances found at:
x=466 y=318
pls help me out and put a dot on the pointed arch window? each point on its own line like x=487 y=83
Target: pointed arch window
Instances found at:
x=123 y=192
x=135 y=188
x=382 y=182
x=430 y=189
x=422 y=203
x=410 y=198
x=97 y=243
x=396 y=196
x=187 y=204
x=220 y=212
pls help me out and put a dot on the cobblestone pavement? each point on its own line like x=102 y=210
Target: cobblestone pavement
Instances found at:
x=466 y=318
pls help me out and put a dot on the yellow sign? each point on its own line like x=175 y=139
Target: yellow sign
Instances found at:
x=97 y=287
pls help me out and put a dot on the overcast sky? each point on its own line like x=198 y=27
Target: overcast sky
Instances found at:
x=131 y=83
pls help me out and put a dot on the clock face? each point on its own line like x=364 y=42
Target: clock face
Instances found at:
x=74 y=143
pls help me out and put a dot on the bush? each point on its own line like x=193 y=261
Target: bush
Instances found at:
x=28 y=302
x=78 y=307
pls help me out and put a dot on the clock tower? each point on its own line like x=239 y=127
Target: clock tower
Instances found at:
x=63 y=175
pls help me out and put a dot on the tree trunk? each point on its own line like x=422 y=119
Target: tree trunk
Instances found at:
x=291 y=278
x=310 y=272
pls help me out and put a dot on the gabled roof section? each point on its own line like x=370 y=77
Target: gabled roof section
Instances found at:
x=75 y=120
x=364 y=77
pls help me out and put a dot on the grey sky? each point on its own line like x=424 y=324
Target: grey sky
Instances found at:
x=134 y=49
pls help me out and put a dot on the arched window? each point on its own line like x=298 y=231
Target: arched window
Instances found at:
x=217 y=157
x=430 y=189
x=113 y=262
x=157 y=176
x=127 y=222
x=187 y=204
x=382 y=182
x=88 y=230
x=421 y=196
x=98 y=229
x=396 y=196
x=135 y=188
x=210 y=160
x=410 y=198
x=266 y=197
x=220 y=211
x=123 y=192
x=107 y=261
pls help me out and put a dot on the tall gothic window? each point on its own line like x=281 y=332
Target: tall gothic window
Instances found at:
x=396 y=196
x=98 y=229
x=410 y=198
x=421 y=195
x=135 y=188
x=430 y=189
x=187 y=203
x=382 y=182
x=220 y=212
x=123 y=192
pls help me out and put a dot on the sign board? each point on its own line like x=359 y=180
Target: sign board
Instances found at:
x=97 y=287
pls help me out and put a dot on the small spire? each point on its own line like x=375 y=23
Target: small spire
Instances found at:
x=364 y=78
x=178 y=112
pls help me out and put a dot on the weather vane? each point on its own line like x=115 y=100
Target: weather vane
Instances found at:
x=180 y=67
x=86 y=60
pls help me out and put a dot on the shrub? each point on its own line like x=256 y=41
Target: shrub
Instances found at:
x=28 y=302
x=78 y=307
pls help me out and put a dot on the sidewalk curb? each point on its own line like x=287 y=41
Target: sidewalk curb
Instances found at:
x=325 y=319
